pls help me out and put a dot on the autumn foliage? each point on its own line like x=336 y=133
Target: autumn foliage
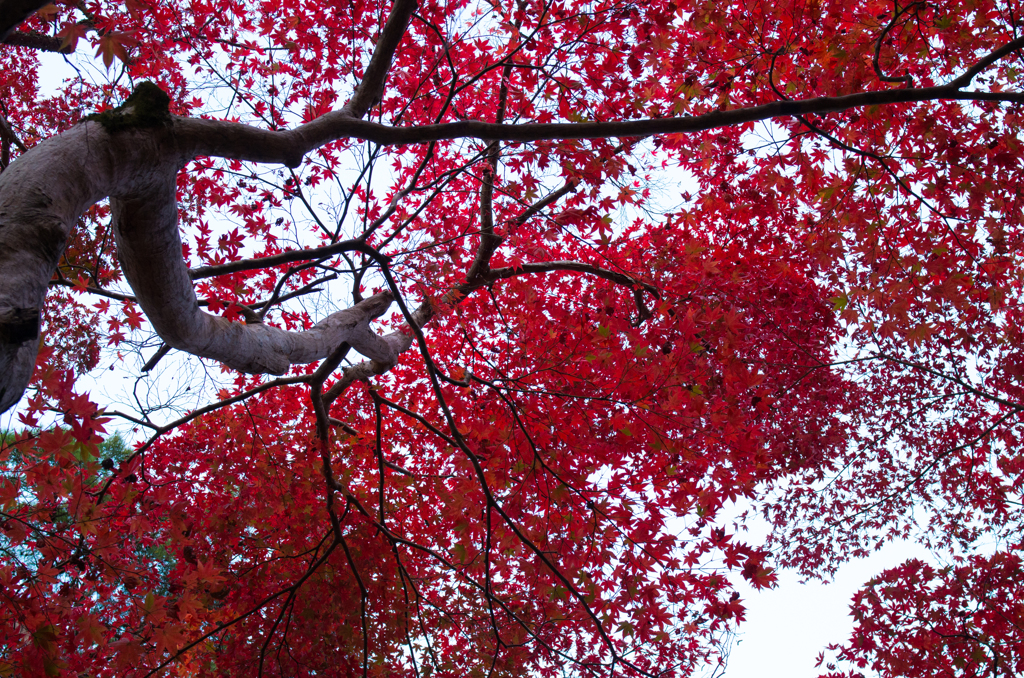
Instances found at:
x=810 y=310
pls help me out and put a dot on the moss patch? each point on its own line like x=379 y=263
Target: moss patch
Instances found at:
x=148 y=106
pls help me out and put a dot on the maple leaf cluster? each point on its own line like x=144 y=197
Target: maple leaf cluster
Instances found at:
x=652 y=261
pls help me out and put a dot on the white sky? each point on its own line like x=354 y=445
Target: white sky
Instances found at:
x=788 y=626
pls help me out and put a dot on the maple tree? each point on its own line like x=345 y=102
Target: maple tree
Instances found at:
x=611 y=268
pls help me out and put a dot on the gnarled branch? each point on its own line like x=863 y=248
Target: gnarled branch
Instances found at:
x=44 y=192
x=47 y=189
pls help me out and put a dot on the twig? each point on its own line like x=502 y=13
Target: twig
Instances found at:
x=906 y=79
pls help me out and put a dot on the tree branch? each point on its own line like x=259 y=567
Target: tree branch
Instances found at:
x=37 y=40
x=371 y=88
x=577 y=266
x=241 y=142
x=907 y=79
x=8 y=134
x=280 y=259
x=47 y=189
x=989 y=59
x=402 y=339
x=489 y=240
x=568 y=187
x=14 y=12
x=160 y=353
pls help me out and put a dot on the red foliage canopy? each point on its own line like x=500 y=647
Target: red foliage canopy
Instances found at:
x=654 y=259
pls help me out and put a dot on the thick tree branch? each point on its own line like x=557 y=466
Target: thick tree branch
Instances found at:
x=371 y=88
x=489 y=240
x=241 y=142
x=149 y=248
x=37 y=40
x=49 y=187
x=14 y=12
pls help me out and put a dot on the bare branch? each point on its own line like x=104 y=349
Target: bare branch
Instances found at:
x=201 y=272
x=160 y=353
x=244 y=395
x=98 y=291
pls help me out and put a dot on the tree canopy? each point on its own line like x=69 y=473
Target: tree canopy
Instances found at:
x=455 y=330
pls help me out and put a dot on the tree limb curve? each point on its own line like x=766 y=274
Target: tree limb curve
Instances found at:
x=43 y=193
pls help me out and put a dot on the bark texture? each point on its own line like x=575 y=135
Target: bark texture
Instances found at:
x=46 y=190
x=13 y=12
x=43 y=193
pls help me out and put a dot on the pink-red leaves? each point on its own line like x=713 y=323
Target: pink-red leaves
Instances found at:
x=113 y=44
x=823 y=319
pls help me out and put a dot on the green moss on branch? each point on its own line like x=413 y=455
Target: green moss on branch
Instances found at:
x=147 y=107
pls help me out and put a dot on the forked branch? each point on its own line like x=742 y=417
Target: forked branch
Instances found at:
x=45 y=191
